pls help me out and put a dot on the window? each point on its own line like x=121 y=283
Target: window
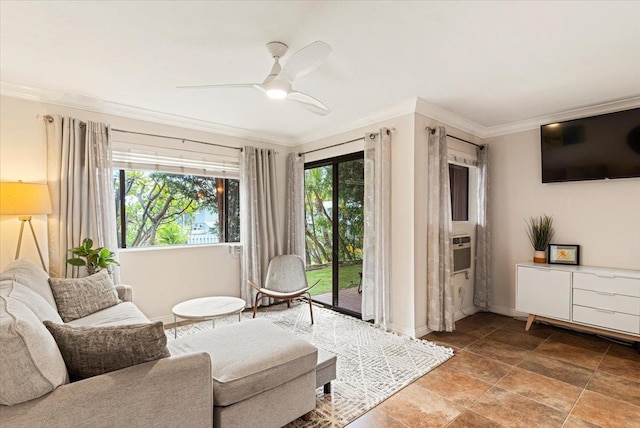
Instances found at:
x=459 y=185
x=175 y=197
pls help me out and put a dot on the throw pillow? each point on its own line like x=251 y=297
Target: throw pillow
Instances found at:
x=30 y=362
x=38 y=305
x=92 y=351
x=30 y=275
x=79 y=297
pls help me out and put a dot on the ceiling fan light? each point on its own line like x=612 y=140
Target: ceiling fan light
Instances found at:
x=278 y=89
x=276 y=94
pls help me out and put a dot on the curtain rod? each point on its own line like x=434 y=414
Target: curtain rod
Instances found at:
x=389 y=131
x=333 y=145
x=49 y=119
x=433 y=131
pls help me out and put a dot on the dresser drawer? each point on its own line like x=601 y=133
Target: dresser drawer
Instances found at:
x=609 y=301
x=607 y=319
x=607 y=284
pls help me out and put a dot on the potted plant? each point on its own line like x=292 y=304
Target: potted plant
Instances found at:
x=94 y=259
x=540 y=232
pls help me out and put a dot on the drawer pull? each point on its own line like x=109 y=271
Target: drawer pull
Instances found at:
x=605 y=311
x=602 y=293
x=601 y=275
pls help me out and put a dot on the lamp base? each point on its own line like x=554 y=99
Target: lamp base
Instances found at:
x=24 y=219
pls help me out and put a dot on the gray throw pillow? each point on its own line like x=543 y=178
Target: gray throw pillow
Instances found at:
x=92 y=351
x=79 y=297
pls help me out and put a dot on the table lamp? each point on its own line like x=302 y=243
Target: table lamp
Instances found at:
x=24 y=200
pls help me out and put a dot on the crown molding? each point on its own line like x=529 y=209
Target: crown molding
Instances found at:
x=389 y=112
x=448 y=117
x=117 y=109
x=409 y=106
x=536 y=122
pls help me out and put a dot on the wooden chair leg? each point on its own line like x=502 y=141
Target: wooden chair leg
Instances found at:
x=289 y=303
x=255 y=304
x=310 y=307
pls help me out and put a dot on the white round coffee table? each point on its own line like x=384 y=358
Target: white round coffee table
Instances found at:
x=206 y=308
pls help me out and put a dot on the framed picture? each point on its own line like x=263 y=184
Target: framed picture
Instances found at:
x=562 y=254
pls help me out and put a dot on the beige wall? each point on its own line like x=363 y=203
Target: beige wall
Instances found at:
x=601 y=216
x=160 y=277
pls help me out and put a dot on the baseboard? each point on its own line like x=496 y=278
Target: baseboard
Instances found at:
x=504 y=310
x=167 y=320
x=403 y=330
x=423 y=330
x=469 y=310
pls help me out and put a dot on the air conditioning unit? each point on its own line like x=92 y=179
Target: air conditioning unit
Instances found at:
x=461 y=253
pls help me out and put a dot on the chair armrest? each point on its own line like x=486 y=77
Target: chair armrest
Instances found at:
x=171 y=392
x=125 y=292
x=254 y=285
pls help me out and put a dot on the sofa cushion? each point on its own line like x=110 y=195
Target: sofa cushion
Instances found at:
x=92 y=351
x=40 y=307
x=121 y=314
x=30 y=362
x=249 y=357
x=79 y=297
x=30 y=275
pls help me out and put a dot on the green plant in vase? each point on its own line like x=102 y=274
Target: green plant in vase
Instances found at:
x=540 y=232
x=94 y=259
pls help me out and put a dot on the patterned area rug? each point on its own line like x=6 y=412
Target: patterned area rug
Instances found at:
x=372 y=364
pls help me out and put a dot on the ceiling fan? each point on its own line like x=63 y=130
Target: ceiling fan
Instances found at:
x=278 y=84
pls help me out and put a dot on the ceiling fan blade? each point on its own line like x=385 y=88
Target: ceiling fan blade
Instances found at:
x=309 y=103
x=305 y=60
x=233 y=85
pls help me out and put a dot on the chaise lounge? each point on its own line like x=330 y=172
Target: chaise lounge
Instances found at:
x=227 y=377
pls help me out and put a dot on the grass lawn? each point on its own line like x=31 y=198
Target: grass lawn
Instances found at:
x=349 y=277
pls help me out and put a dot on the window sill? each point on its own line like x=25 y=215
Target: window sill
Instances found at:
x=177 y=247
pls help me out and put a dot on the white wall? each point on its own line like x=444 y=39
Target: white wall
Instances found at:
x=408 y=213
x=160 y=277
x=420 y=226
x=402 y=212
x=164 y=276
x=601 y=216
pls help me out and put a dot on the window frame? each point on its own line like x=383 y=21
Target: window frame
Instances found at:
x=122 y=240
x=468 y=186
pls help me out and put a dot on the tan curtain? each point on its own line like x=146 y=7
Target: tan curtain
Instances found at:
x=440 y=289
x=259 y=229
x=483 y=234
x=376 y=263
x=80 y=177
x=294 y=216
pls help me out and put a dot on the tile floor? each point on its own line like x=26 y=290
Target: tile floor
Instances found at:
x=502 y=376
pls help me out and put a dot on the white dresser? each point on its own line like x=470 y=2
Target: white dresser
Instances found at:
x=595 y=299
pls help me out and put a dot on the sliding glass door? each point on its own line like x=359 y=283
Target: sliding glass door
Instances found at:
x=334 y=210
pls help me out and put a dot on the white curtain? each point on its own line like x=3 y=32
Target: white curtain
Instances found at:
x=440 y=289
x=294 y=217
x=259 y=231
x=80 y=177
x=376 y=263
x=483 y=235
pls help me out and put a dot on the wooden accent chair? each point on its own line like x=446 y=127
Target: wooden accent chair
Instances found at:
x=286 y=280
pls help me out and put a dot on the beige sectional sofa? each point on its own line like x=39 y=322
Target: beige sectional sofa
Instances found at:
x=247 y=374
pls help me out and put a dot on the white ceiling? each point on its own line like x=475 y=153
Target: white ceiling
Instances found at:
x=493 y=63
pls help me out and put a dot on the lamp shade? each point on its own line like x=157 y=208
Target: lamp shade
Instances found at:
x=24 y=198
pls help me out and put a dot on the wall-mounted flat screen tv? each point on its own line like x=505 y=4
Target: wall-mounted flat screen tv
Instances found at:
x=592 y=148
